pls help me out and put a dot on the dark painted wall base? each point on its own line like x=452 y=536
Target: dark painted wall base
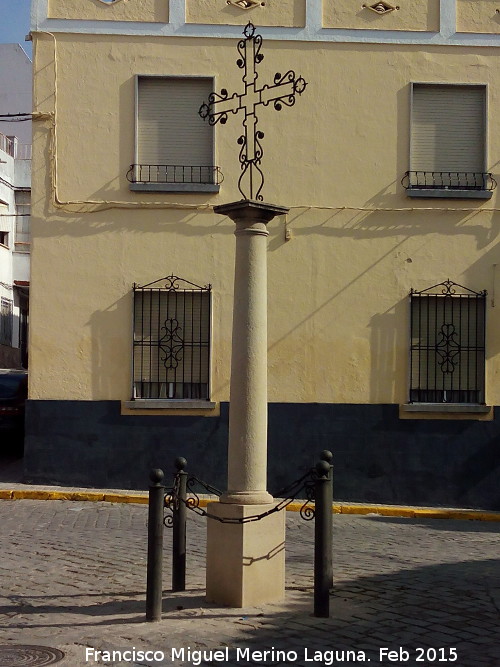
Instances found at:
x=378 y=457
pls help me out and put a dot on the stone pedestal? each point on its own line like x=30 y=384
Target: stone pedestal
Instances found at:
x=245 y=562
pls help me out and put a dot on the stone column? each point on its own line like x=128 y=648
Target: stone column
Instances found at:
x=245 y=561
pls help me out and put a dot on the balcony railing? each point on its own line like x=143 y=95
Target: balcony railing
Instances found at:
x=7 y=145
x=12 y=147
x=448 y=180
x=174 y=173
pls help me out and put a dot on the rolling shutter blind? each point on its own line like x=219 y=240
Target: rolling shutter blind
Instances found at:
x=169 y=129
x=448 y=128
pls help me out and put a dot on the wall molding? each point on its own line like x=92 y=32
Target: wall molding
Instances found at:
x=312 y=32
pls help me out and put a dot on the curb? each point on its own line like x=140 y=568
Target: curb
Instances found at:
x=337 y=508
x=85 y=496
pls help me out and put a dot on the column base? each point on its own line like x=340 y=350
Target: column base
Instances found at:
x=247 y=498
x=245 y=562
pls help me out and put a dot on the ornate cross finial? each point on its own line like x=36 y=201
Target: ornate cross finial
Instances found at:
x=283 y=91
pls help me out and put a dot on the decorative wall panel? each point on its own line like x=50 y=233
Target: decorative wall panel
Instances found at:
x=287 y=13
x=383 y=15
x=149 y=11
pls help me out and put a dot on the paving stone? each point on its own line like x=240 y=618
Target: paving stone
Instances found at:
x=73 y=576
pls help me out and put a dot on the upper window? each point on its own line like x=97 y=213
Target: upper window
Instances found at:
x=174 y=147
x=22 y=229
x=171 y=340
x=447 y=352
x=448 y=142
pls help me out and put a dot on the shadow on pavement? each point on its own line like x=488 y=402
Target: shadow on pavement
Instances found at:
x=397 y=585
x=451 y=525
x=434 y=607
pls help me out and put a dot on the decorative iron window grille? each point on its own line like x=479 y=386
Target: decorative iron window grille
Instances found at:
x=448 y=180
x=171 y=340
x=174 y=173
x=447 y=352
x=6 y=316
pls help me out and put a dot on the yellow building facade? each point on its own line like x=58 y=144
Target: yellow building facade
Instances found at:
x=382 y=342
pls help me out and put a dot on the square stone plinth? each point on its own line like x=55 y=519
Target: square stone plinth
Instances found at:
x=245 y=562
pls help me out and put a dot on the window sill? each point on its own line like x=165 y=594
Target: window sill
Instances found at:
x=448 y=193
x=169 y=404
x=174 y=187
x=445 y=407
x=457 y=411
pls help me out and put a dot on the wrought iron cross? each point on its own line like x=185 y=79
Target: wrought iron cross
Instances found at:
x=283 y=91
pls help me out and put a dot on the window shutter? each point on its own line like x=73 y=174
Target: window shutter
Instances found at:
x=169 y=129
x=6 y=315
x=448 y=128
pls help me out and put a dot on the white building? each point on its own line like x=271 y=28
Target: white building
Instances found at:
x=15 y=197
x=15 y=90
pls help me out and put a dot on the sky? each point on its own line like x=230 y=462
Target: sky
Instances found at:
x=15 y=22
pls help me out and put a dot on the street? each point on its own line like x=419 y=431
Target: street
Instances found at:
x=406 y=592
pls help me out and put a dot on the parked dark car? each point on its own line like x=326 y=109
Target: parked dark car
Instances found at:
x=13 y=394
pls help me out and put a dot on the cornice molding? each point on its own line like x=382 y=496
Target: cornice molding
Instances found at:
x=312 y=32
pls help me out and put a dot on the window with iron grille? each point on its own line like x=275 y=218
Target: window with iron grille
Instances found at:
x=172 y=340
x=5 y=321
x=447 y=352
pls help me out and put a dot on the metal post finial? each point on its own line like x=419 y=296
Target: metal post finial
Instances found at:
x=327 y=456
x=180 y=463
x=156 y=476
x=323 y=468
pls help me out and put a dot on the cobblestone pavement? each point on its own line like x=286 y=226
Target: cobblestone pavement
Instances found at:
x=73 y=577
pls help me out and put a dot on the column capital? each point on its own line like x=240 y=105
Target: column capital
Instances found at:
x=251 y=211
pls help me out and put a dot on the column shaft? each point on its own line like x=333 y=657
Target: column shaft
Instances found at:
x=247 y=453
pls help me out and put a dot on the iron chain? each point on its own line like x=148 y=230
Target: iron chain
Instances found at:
x=304 y=483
